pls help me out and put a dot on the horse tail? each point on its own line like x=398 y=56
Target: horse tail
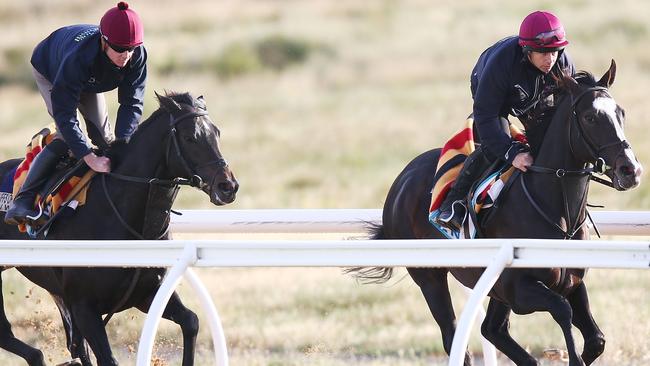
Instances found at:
x=368 y=275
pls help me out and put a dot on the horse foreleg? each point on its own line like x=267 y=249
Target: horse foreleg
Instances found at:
x=76 y=343
x=434 y=287
x=584 y=321
x=186 y=319
x=531 y=295
x=495 y=329
x=90 y=324
x=9 y=342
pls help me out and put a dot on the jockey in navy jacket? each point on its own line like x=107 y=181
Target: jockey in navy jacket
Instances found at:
x=504 y=82
x=72 y=60
x=512 y=77
x=72 y=68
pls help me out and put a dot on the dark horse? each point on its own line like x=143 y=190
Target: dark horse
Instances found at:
x=178 y=143
x=546 y=202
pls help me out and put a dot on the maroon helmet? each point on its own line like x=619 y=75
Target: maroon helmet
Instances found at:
x=542 y=31
x=122 y=27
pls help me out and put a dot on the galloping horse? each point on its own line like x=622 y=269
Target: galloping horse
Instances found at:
x=548 y=202
x=177 y=144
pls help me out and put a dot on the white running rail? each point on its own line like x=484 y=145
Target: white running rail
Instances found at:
x=494 y=254
x=351 y=221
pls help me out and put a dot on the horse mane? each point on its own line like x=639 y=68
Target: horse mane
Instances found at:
x=181 y=98
x=185 y=98
x=585 y=78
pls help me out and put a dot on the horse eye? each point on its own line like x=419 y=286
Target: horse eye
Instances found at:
x=590 y=118
x=189 y=138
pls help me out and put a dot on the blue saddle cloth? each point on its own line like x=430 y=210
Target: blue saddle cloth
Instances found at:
x=6 y=190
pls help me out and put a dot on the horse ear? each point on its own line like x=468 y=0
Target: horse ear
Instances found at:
x=608 y=79
x=168 y=103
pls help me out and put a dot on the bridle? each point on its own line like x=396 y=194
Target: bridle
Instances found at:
x=597 y=166
x=173 y=150
x=593 y=150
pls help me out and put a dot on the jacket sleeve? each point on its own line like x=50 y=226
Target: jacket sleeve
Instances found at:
x=130 y=95
x=66 y=91
x=490 y=98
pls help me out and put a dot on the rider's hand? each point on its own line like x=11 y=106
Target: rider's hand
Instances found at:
x=100 y=164
x=523 y=161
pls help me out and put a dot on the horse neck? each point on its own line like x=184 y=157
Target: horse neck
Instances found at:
x=145 y=153
x=142 y=157
x=556 y=153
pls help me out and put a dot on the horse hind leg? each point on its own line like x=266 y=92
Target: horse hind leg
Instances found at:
x=583 y=320
x=435 y=289
x=495 y=329
x=9 y=342
x=186 y=319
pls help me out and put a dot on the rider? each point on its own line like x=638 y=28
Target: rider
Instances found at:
x=514 y=76
x=73 y=66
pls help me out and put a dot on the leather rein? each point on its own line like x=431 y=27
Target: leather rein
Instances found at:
x=598 y=167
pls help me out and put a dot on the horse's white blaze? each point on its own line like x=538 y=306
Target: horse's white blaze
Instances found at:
x=608 y=106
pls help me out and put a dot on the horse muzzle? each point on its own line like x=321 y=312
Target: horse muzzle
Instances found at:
x=224 y=191
x=627 y=172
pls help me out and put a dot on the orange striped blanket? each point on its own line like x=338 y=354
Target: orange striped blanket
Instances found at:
x=52 y=203
x=452 y=157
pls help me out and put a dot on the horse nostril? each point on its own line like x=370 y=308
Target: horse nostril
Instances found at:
x=226 y=187
x=627 y=170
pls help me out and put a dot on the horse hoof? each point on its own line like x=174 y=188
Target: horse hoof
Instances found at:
x=74 y=362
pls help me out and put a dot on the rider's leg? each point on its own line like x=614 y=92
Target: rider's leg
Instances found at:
x=22 y=208
x=452 y=209
x=92 y=107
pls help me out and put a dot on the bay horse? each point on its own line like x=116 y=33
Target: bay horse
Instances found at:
x=177 y=144
x=548 y=202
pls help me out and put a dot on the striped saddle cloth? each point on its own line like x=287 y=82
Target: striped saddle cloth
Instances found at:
x=64 y=186
x=452 y=156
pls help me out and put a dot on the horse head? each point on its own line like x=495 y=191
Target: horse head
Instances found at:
x=193 y=148
x=597 y=136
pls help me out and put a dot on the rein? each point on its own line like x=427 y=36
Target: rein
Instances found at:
x=599 y=167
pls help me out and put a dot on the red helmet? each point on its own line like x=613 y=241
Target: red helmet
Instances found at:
x=542 y=31
x=121 y=26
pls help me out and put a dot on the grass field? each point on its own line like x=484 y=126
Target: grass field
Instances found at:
x=321 y=104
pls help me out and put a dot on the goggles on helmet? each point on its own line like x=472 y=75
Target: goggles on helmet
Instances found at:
x=548 y=38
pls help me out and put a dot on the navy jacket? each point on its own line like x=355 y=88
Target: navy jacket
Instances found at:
x=505 y=82
x=72 y=60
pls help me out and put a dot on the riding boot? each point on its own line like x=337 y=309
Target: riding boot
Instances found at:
x=453 y=209
x=22 y=208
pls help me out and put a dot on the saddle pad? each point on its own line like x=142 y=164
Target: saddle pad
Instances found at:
x=75 y=187
x=35 y=145
x=452 y=157
x=482 y=198
x=6 y=189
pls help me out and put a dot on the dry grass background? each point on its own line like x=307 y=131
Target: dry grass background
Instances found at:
x=381 y=81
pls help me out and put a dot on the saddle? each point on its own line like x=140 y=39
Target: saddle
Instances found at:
x=483 y=198
x=64 y=190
